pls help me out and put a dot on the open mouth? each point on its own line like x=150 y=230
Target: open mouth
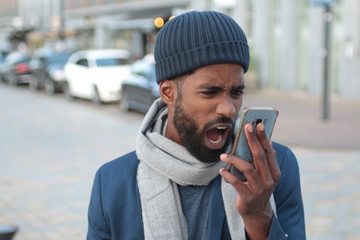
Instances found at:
x=217 y=135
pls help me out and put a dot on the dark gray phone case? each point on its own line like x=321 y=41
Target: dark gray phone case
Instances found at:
x=240 y=148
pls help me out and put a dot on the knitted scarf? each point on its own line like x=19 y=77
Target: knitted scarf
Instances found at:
x=163 y=165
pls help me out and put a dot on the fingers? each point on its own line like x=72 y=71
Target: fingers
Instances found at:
x=265 y=172
x=256 y=142
x=244 y=189
x=269 y=152
x=244 y=166
x=273 y=166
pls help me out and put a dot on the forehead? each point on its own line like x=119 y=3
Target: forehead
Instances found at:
x=221 y=75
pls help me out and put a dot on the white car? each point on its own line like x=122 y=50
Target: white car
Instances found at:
x=96 y=74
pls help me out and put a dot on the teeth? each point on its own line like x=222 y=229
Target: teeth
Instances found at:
x=217 y=140
x=220 y=137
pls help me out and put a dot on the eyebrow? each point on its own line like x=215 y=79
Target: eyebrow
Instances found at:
x=217 y=88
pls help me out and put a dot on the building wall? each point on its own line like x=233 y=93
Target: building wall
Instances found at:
x=120 y=24
x=288 y=46
x=348 y=31
x=9 y=17
x=9 y=8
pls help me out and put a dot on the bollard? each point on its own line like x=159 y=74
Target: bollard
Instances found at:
x=7 y=232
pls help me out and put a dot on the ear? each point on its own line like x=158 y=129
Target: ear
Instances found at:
x=168 y=91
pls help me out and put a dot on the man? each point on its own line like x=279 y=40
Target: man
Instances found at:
x=174 y=185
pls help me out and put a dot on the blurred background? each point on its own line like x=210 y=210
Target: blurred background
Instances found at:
x=77 y=77
x=286 y=37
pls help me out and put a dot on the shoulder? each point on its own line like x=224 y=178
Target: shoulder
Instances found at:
x=121 y=170
x=287 y=194
x=117 y=178
x=115 y=199
x=125 y=163
x=290 y=173
x=285 y=157
x=287 y=162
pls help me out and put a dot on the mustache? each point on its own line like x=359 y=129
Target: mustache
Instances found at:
x=219 y=120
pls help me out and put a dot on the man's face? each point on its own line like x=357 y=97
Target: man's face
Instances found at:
x=206 y=107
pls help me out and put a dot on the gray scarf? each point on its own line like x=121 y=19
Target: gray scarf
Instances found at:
x=163 y=165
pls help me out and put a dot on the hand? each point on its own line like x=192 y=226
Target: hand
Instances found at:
x=253 y=202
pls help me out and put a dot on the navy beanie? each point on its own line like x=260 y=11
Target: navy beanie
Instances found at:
x=197 y=39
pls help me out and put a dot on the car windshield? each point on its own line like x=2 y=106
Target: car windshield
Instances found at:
x=106 y=62
x=144 y=69
x=23 y=60
x=58 y=59
x=16 y=57
x=152 y=73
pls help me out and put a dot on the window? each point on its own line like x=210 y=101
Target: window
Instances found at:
x=105 y=62
x=82 y=62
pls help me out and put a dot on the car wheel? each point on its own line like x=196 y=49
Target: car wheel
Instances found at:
x=124 y=102
x=12 y=80
x=2 y=79
x=49 y=87
x=34 y=83
x=67 y=92
x=96 y=96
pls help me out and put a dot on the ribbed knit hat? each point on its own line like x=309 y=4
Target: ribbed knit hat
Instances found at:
x=197 y=39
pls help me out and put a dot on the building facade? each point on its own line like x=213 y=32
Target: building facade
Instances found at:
x=289 y=51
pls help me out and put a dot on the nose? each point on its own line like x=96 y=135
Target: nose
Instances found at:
x=227 y=107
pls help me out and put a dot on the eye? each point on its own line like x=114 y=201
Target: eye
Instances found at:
x=237 y=93
x=209 y=92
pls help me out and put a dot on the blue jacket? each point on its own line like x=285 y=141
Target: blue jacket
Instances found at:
x=115 y=208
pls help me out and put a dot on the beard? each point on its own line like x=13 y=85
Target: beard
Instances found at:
x=192 y=136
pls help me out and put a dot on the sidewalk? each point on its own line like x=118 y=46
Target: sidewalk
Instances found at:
x=300 y=120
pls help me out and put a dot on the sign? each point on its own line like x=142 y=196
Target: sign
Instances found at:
x=322 y=2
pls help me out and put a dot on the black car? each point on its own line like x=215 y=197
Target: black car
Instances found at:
x=48 y=71
x=2 y=60
x=16 y=69
x=139 y=90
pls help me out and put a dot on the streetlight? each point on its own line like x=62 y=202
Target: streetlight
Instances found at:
x=327 y=50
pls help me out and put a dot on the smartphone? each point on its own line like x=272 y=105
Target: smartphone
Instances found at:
x=240 y=147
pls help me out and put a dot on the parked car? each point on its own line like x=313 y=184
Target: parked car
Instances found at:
x=139 y=90
x=16 y=69
x=48 y=70
x=2 y=59
x=96 y=74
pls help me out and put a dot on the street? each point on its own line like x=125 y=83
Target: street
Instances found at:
x=51 y=148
